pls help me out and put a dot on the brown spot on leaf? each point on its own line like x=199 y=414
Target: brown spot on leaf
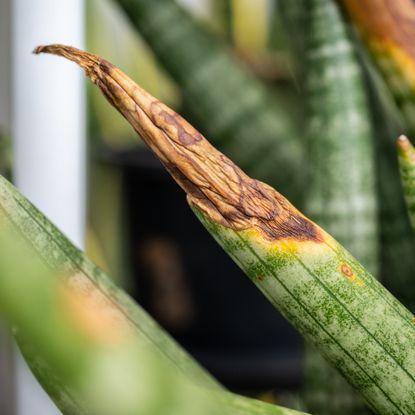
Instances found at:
x=346 y=270
x=184 y=137
x=106 y=67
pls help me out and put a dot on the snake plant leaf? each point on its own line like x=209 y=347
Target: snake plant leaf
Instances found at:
x=388 y=29
x=342 y=194
x=223 y=98
x=63 y=360
x=62 y=257
x=316 y=284
x=101 y=365
x=406 y=153
x=98 y=358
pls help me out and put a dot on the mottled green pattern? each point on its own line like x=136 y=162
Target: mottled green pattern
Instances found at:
x=226 y=102
x=339 y=307
x=341 y=195
x=407 y=170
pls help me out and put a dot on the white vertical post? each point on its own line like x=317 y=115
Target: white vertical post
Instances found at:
x=4 y=65
x=48 y=110
x=6 y=351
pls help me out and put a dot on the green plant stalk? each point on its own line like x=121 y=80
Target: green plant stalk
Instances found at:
x=44 y=338
x=341 y=194
x=406 y=159
x=316 y=284
x=101 y=361
x=224 y=99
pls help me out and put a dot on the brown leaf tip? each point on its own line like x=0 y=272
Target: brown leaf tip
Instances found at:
x=38 y=49
x=213 y=182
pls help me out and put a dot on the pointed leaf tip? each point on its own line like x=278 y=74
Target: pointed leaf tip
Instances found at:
x=213 y=183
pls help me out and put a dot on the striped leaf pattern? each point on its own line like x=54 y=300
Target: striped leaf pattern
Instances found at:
x=329 y=297
x=342 y=194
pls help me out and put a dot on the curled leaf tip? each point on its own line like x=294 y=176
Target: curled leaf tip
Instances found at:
x=213 y=183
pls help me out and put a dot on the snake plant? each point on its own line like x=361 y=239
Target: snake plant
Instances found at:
x=316 y=284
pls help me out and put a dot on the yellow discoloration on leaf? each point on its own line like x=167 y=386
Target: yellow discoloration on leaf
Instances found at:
x=402 y=62
x=92 y=312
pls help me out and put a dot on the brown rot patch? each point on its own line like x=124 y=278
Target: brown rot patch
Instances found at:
x=184 y=137
x=260 y=278
x=346 y=270
x=106 y=66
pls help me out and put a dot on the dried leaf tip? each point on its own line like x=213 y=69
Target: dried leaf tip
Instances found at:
x=213 y=183
x=84 y=59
